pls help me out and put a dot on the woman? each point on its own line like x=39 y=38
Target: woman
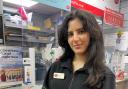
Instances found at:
x=82 y=64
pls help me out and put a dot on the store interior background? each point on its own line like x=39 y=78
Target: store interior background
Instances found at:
x=38 y=38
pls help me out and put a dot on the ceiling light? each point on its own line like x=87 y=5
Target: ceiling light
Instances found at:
x=26 y=3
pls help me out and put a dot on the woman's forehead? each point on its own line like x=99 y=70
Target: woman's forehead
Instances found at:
x=75 y=24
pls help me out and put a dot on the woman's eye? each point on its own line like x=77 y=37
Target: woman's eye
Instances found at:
x=70 y=34
x=82 y=31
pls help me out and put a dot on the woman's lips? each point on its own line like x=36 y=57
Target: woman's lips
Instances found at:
x=77 y=46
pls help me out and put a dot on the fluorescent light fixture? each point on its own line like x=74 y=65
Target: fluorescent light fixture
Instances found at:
x=26 y=3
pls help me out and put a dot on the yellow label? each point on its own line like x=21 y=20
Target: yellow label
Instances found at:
x=34 y=28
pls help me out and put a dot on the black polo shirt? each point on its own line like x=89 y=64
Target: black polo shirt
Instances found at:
x=61 y=76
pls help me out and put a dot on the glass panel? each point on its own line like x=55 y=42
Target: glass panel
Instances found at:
x=33 y=26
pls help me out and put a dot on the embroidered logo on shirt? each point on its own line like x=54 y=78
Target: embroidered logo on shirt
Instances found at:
x=58 y=75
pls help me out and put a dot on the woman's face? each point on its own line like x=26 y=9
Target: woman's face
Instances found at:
x=78 y=38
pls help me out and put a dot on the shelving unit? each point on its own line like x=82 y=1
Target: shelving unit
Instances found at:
x=21 y=35
x=18 y=33
x=25 y=29
x=13 y=32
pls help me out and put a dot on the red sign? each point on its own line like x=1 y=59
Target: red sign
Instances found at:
x=82 y=5
x=113 y=18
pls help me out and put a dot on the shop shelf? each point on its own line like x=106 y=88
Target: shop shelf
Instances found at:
x=29 y=31
x=13 y=38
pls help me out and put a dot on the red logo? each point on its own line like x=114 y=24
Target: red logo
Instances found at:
x=117 y=1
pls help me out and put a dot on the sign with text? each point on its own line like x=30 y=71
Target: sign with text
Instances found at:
x=11 y=65
x=102 y=4
x=96 y=7
x=84 y=6
x=113 y=18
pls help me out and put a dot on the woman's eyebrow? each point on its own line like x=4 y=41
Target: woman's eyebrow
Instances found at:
x=77 y=29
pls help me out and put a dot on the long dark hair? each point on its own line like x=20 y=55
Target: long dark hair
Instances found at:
x=95 y=51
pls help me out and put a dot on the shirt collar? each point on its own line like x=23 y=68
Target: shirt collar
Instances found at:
x=68 y=64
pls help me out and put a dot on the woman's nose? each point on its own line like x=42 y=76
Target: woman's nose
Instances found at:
x=75 y=37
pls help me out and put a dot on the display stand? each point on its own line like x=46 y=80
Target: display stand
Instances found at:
x=29 y=68
x=33 y=34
